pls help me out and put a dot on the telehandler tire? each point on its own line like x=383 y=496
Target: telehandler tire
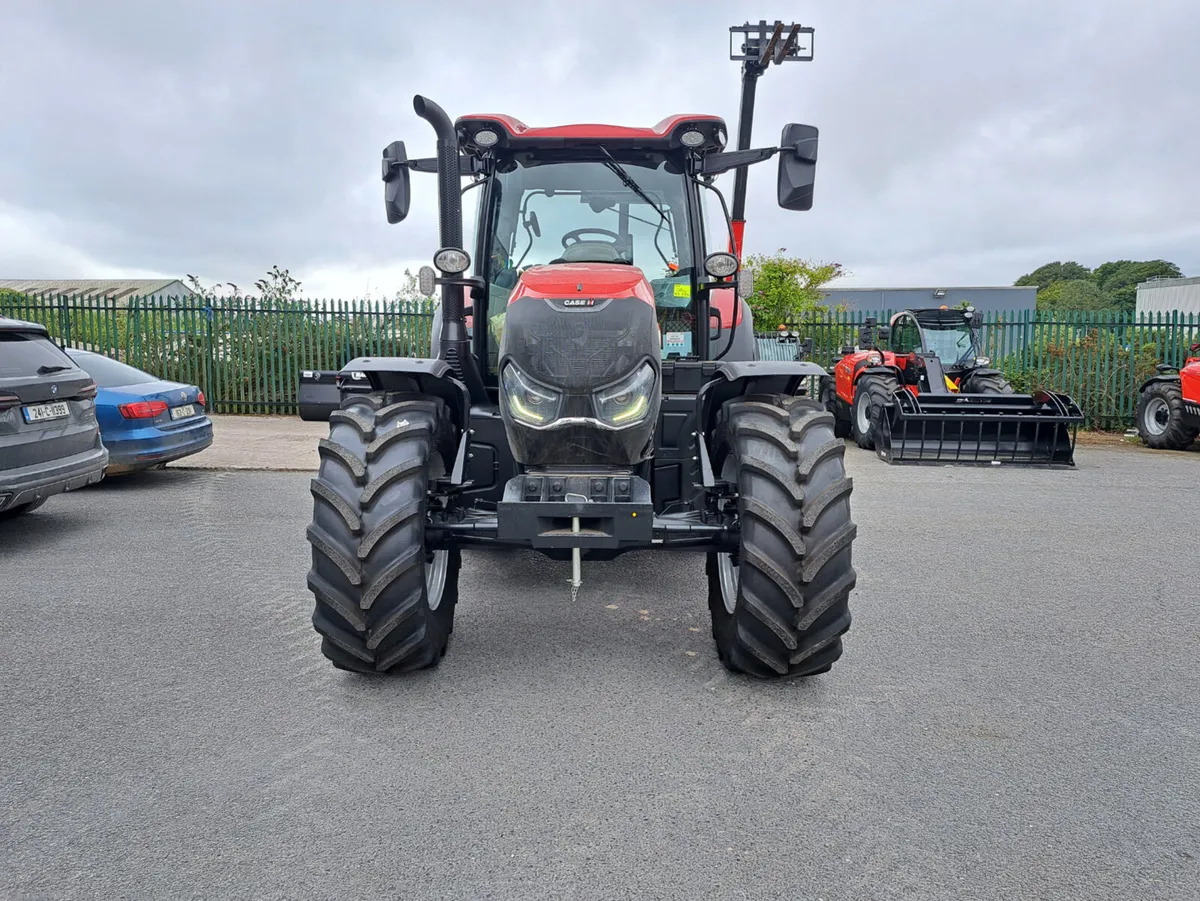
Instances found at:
x=384 y=603
x=1160 y=422
x=780 y=604
x=872 y=393
x=986 y=383
x=829 y=399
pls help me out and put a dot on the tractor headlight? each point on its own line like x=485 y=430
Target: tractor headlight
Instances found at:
x=628 y=401
x=983 y=361
x=528 y=401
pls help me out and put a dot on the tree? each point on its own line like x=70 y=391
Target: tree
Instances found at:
x=787 y=287
x=278 y=286
x=1078 y=294
x=1045 y=276
x=209 y=295
x=1119 y=279
x=1060 y=285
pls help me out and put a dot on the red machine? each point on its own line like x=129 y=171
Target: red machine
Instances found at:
x=930 y=396
x=609 y=396
x=1168 y=410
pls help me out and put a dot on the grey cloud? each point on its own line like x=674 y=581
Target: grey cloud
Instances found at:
x=973 y=140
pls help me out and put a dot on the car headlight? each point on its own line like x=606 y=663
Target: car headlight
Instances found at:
x=628 y=401
x=527 y=400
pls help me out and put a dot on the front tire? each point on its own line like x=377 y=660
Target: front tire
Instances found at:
x=384 y=602
x=988 y=382
x=1160 y=417
x=871 y=394
x=780 y=604
x=829 y=400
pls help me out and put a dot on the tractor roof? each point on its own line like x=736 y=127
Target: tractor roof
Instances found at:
x=666 y=135
x=938 y=316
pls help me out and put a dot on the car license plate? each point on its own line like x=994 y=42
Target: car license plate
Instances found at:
x=183 y=412
x=42 y=412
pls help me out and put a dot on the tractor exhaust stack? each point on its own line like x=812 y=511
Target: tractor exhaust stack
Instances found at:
x=454 y=345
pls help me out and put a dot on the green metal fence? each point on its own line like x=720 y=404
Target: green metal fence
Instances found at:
x=248 y=355
x=1099 y=359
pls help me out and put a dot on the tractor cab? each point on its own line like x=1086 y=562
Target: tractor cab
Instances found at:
x=606 y=196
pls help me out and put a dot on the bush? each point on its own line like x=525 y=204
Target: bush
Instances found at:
x=787 y=288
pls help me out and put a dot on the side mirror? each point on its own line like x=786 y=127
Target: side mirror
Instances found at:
x=745 y=282
x=797 y=166
x=396 y=194
x=714 y=325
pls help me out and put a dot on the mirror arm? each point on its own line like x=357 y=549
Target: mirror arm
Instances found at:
x=716 y=163
x=467 y=164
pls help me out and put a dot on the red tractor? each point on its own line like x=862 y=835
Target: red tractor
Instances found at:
x=930 y=396
x=1168 y=409
x=593 y=387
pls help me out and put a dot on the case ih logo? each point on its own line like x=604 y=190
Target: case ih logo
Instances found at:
x=578 y=302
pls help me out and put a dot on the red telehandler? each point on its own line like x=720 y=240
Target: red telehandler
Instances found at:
x=930 y=396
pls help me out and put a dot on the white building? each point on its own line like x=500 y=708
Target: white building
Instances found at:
x=1164 y=296
x=118 y=290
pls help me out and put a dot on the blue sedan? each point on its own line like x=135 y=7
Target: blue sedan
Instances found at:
x=145 y=422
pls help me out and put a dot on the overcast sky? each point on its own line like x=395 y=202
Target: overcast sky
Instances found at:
x=962 y=142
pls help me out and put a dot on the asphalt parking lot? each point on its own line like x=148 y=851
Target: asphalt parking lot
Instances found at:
x=1016 y=715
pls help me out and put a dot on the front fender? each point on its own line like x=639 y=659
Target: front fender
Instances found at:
x=422 y=375
x=736 y=379
x=1161 y=377
x=879 y=370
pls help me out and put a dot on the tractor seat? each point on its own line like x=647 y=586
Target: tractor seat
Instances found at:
x=590 y=252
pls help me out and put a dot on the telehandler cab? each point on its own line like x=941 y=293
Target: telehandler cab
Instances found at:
x=589 y=421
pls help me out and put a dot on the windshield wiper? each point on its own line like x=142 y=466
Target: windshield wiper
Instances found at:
x=627 y=181
x=46 y=370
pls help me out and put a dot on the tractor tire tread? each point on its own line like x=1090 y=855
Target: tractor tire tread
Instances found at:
x=368 y=575
x=342 y=505
x=794 y=559
x=329 y=449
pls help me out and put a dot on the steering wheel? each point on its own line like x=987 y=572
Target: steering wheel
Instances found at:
x=584 y=231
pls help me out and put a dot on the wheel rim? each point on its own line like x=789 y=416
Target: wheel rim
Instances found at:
x=1156 y=416
x=435 y=578
x=727 y=570
x=862 y=416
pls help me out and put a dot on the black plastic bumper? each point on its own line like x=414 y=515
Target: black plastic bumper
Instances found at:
x=613 y=510
x=1191 y=413
x=616 y=514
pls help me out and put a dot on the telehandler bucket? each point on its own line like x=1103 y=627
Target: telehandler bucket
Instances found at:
x=1023 y=429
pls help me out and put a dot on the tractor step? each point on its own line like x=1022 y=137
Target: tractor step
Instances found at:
x=985 y=429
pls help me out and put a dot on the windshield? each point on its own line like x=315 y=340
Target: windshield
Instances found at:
x=575 y=212
x=950 y=344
